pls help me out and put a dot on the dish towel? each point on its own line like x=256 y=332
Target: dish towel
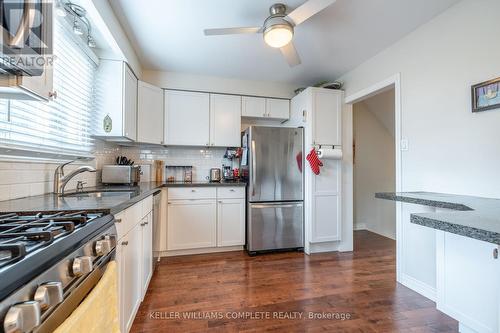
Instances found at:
x=314 y=161
x=98 y=312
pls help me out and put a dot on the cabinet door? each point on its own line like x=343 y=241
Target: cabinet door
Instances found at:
x=187 y=118
x=149 y=114
x=225 y=120
x=277 y=108
x=39 y=85
x=129 y=103
x=253 y=107
x=230 y=222
x=130 y=262
x=191 y=224
x=468 y=281
x=327 y=111
x=147 y=253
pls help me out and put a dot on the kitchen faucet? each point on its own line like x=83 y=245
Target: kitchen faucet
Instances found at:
x=60 y=180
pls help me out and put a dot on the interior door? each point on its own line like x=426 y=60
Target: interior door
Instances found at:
x=275 y=164
x=275 y=226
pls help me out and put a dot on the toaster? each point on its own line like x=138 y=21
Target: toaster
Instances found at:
x=121 y=174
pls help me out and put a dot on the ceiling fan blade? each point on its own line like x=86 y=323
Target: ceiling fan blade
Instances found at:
x=232 y=31
x=308 y=9
x=290 y=54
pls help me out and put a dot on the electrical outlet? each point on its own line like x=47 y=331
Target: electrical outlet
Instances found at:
x=404 y=144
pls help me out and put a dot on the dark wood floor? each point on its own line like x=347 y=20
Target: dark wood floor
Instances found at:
x=360 y=285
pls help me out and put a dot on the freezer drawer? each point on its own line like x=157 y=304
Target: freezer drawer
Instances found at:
x=273 y=226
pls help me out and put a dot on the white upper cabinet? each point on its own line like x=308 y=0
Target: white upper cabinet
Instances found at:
x=253 y=107
x=269 y=108
x=149 y=114
x=326 y=115
x=225 y=120
x=116 y=101
x=277 y=108
x=187 y=118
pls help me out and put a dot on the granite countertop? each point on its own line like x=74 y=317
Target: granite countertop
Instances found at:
x=116 y=198
x=474 y=217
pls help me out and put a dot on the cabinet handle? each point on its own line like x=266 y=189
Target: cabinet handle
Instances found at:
x=53 y=94
x=220 y=201
x=495 y=254
x=125 y=243
x=146 y=223
x=304 y=115
x=143 y=224
x=193 y=190
x=118 y=220
x=231 y=190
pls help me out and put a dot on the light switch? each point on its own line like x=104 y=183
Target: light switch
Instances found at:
x=404 y=144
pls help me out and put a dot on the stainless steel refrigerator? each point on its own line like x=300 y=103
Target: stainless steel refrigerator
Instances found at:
x=272 y=165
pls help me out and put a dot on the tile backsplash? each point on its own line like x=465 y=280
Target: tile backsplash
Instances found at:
x=202 y=159
x=23 y=178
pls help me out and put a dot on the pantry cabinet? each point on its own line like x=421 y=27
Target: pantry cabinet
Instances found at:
x=149 y=114
x=116 y=101
x=326 y=117
x=187 y=118
x=191 y=224
x=225 y=120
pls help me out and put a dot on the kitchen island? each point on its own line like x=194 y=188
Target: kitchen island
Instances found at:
x=467 y=246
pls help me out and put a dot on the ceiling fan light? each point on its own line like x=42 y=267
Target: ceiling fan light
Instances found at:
x=278 y=35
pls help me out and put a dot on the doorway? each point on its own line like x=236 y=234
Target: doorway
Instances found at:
x=374 y=163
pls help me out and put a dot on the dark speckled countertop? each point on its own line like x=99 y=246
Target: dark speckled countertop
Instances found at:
x=474 y=217
x=116 y=198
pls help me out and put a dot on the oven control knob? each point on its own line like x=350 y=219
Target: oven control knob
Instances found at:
x=22 y=317
x=49 y=294
x=102 y=247
x=81 y=266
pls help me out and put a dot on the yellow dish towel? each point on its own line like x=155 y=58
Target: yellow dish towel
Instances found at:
x=98 y=313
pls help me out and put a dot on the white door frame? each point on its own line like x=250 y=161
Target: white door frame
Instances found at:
x=393 y=81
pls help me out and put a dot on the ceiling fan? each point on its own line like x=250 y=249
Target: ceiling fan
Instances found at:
x=278 y=27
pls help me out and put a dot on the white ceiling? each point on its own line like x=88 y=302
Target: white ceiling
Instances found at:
x=168 y=36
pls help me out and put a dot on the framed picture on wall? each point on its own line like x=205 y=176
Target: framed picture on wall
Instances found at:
x=486 y=95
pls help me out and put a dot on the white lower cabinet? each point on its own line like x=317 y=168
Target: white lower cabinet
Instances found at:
x=134 y=256
x=128 y=253
x=468 y=282
x=191 y=224
x=230 y=222
x=147 y=252
x=201 y=218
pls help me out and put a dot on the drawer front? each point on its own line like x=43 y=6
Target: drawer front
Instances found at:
x=183 y=193
x=236 y=192
x=147 y=206
x=127 y=219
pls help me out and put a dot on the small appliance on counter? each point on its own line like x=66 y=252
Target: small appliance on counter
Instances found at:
x=214 y=175
x=227 y=173
x=121 y=174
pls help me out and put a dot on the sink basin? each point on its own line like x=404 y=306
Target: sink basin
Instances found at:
x=100 y=194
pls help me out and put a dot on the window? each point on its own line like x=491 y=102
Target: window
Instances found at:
x=62 y=126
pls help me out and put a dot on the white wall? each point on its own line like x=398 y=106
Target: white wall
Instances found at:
x=172 y=80
x=374 y=167
x=450 y=149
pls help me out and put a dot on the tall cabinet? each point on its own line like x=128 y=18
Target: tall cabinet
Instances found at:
x=319 y=111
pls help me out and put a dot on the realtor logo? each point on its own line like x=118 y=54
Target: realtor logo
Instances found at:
x=26 y=32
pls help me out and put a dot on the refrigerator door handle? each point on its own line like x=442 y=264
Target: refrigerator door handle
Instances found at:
x=254 y=167
x=278 y=205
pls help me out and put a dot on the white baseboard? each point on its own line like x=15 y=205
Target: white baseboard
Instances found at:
x=174 y=253
x=360 y=226
x=419 y=287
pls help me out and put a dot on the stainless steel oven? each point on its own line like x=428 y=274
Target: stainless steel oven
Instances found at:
x=26 y=36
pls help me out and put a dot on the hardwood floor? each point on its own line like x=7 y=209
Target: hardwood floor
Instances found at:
x=219 y=288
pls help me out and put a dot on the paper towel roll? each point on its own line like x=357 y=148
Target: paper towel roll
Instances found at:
x=329 y=154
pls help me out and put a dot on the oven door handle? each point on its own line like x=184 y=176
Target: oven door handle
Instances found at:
x=22 y=33
x=75 y=296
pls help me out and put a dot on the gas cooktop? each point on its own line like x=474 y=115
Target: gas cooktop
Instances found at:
x=31 y=244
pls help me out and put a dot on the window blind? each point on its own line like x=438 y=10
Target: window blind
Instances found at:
x=63 y=125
